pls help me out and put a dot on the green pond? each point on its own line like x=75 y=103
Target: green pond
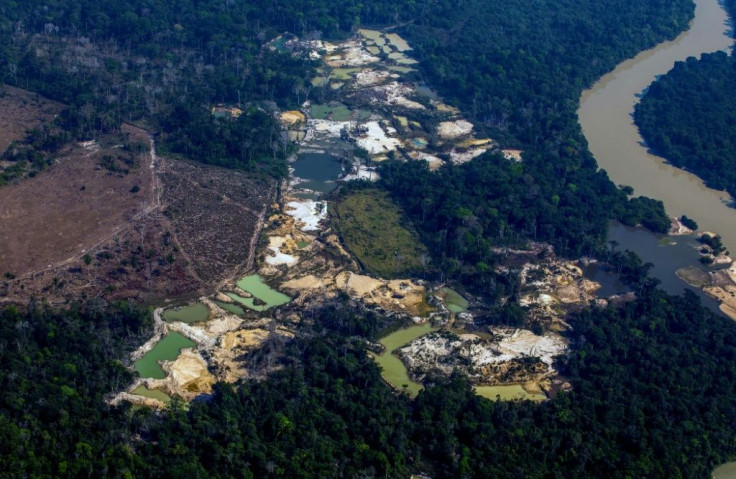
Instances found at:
x=151 y=393
x=507 y=393
x=233 y=308
x=395 y=373
x=400 y=69
x=343 y=73
x=455 y=303
x=397 y=42
x=196 y=313
x=418 y=143
x=337 y=112
x=393 y=370
x=167 y=349
x=374 y=35
x=254 y=285
x=279 y=44
x=725 y=471
x=320 y=81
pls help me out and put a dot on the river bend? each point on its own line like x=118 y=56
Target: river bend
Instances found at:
x=605 y=114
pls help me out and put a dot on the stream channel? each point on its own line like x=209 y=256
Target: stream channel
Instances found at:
x=605 y=115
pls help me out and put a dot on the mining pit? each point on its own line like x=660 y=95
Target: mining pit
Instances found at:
x=369 y=101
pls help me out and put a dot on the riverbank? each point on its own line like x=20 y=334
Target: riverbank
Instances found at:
x=605 y=116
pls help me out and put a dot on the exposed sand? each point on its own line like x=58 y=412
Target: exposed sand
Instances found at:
x=512 y=155
x=363 y=173
x=277 y=256
x=460 y=157
x=454 y=129
x=726 y=295
x=244 y=339
x=396 y=93
x=728 y=311
x=434 y=161
x=137 y=400
x=330 y=128
x=357 y=284
x=292 y=118
x=305 y=282
x=522 y=342
x=476 y=142
x=375 y=140
x=350 y=54
x=367 y=78
x=395 y=295
x=188 y=375
x=307 y=212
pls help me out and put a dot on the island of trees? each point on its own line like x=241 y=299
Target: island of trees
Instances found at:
x=688 y=117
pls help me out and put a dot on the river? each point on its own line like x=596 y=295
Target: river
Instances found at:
x=605 y=115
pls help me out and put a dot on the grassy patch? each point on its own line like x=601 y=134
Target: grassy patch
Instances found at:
x=374 y=230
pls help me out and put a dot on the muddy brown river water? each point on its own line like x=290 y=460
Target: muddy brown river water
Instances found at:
x=605 y=115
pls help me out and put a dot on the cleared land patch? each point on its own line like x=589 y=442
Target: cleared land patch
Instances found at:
x=374 y=230
x=73 y=206
x=26 y=128
x=216 y=215
x=20 y=111
x=94 y=225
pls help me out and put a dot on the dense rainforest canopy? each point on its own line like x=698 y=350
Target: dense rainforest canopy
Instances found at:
x=688 y=117
x=521 y=76
x=652 y=396
x=653 y=382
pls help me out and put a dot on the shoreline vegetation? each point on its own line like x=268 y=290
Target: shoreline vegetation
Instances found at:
x=686 y=116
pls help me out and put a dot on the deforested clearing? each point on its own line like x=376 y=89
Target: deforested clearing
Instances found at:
x=78 y=202
x=20 y=111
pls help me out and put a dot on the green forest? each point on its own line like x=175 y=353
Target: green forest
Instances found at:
x=652 y=396
x=463 y=211
x=653 y=381
x=520 y=76
x=688 y=117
